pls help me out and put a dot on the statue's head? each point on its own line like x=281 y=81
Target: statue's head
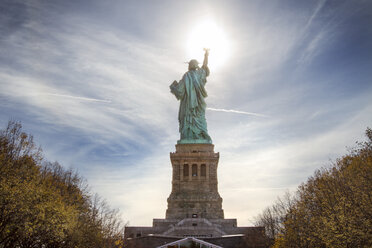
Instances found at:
x=193 y=64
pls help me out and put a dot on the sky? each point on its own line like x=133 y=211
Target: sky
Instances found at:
x=290 y=90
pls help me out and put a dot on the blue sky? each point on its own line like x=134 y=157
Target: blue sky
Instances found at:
x=90 y=80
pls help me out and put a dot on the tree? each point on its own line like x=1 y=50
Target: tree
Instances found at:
x=333 y=208
x=272 y=218
x=31 y=212
x=44 y=205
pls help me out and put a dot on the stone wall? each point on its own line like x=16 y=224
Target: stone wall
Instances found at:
x=188 y=227
x=253 y=238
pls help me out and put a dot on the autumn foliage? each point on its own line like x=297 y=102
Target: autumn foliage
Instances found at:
x=44 y=205
x=332 y=209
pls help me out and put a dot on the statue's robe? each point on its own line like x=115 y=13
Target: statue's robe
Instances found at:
x=191 y=92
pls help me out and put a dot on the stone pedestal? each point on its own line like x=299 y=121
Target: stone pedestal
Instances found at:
x=194 y=205
x=194 y=183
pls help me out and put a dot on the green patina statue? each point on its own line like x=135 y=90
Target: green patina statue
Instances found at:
x=191 y=92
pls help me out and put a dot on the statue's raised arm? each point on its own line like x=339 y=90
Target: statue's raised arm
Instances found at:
x=190 y=90
x=205 y=62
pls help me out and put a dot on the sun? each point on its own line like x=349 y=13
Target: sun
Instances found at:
x=207 y=34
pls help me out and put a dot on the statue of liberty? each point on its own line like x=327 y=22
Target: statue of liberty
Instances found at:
x=190 y=90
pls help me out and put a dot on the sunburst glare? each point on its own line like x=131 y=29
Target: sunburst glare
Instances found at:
x=207 y=34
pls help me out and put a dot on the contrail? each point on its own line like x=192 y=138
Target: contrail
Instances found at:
x=80 y=98
x=237 y=112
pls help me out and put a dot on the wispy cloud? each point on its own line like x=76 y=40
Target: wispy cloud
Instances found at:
x=314 y=47
x=318 y=8
x=99 y=65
